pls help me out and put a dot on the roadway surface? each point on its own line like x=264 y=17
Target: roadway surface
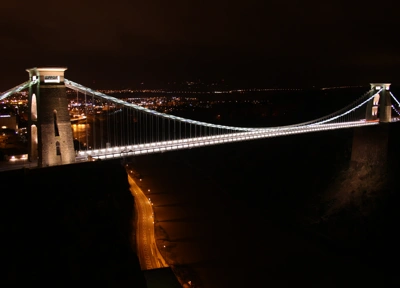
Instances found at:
x=14 y=165
x=149 y=256
x=165 y=146
x=259 y=133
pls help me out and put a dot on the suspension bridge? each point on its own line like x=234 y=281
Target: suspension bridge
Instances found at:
x=115 y=128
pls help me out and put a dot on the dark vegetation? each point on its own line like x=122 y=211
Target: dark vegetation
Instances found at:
x=68 y=225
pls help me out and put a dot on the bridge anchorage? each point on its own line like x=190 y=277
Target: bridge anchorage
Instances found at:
x=113 y=128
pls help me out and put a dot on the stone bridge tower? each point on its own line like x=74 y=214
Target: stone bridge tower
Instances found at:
x=379 y=108
x=50 y=133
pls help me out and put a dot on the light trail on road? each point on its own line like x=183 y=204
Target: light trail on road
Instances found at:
x=149 y=256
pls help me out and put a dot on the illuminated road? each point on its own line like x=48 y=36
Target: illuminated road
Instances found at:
x=149 y=256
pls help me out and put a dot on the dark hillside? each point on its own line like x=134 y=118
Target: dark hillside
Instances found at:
x=69 y=225
x=281 y=212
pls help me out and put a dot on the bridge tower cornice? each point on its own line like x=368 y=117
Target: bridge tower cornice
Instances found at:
x=47 y=75
x=379 y=86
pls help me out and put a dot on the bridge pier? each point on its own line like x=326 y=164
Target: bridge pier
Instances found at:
x=373 y=170
x=50 y=133
x=371 y=143
x=370 y=147
x=375 y=152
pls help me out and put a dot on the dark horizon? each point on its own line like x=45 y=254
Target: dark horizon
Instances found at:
x=250 y=44
x=101 y=81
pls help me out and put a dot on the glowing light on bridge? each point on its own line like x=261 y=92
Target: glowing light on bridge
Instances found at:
x=123 y=151
x=197 y=134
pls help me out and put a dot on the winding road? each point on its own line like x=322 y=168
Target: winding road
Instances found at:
x=149 y=256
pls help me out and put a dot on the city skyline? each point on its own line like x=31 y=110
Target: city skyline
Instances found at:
x=256 y=44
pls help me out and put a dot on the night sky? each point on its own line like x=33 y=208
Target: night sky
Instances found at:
x=119 y=44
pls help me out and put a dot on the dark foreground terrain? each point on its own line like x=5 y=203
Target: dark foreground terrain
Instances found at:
x=282 y=212
x=68 y=225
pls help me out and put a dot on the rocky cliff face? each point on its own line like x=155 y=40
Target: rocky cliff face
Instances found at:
x=359 y=211
x=371 y=175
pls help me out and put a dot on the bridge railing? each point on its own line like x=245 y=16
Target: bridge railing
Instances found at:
x=164 y=146
x=156 y=126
